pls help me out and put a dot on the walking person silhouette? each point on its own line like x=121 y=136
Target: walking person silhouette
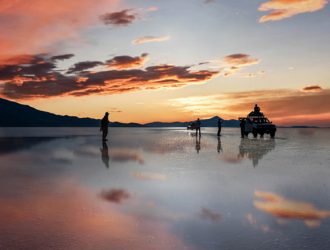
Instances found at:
x=104 y=126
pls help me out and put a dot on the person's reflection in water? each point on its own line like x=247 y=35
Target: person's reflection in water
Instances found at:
x=219 y=148
x=105 y=154
x=198 y=143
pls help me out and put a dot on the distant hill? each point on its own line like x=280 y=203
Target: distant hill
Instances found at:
x=211 y=122
x=13 y=114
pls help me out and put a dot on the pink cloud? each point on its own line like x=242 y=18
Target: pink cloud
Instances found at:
x=281 y=9
x=35 y=26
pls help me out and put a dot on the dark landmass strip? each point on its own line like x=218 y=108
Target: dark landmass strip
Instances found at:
x=13 y=114
x=299 y=126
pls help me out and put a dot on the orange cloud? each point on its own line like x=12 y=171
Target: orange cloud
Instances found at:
x=150 y=39
x=127 y=62
x=312 y=88
x=283 y=208
x=40 y=77
x=36 y=26
x=234 y=62
x=239 y=60
x=281 y=9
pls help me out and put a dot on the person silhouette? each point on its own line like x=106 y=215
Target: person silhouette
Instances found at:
x=219 y=126
x=104 y=126
x=198 y=127
x=105 y=154
x=198 y=143
x=256 y=109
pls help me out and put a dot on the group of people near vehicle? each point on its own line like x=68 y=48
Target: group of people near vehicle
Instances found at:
x=196 y=125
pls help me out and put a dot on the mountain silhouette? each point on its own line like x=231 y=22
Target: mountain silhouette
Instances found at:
x=211 y=122
x=13 y=114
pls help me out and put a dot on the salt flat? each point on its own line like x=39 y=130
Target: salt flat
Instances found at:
x=62 y=188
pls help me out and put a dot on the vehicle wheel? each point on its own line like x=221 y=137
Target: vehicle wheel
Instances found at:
x=272 y=134
x=255 y=133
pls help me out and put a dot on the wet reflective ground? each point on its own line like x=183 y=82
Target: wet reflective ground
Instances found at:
x=62 y=188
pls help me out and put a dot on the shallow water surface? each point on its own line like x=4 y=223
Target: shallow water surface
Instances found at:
x=62 y=188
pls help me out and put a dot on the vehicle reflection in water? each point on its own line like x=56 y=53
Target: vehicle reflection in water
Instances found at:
x=255 y=149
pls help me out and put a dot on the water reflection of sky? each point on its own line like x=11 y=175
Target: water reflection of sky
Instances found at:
x=163 y=189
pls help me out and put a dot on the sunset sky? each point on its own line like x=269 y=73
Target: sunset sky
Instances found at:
x=168 y=60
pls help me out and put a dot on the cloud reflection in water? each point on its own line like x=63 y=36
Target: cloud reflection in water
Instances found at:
x=284 y=208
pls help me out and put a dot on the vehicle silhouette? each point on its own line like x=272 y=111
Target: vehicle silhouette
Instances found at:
x=256 y=123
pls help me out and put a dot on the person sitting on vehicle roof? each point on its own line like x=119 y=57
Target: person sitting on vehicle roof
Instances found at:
x=256 y=109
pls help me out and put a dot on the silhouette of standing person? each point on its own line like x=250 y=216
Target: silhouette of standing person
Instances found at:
x=219 y=126
x=105 y=154
x=198 y=127
x=104 y=126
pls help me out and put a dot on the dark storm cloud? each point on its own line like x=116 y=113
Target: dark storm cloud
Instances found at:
x=62 y=57
x=80 y=66
x=120 y=18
